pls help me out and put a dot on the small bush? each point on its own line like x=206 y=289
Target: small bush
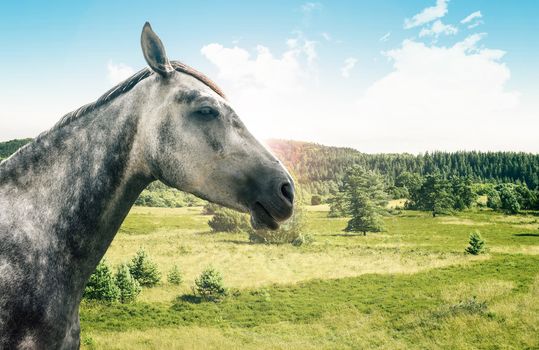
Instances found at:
x=470 y=306
x=316 y=200
x=288 y=232
x=144 y=270
x=303 y=239
x=209 y=285
x=210 y=208
x=128 y=286
x=101 y=285
x=227 y=220
x=477 y=244
x=175 y=276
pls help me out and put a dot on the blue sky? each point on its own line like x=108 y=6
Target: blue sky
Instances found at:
x=379 y=76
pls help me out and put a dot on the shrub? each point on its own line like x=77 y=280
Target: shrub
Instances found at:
x=477 y=244
x=128 y=286
x=470 y=306
x=227 y=220
x=493 y=200
x=144 y=270
x=209 y=285
x=175 y=276
x=210 y=208
x=303 y=239
x=101 y=285
x=288 y=232
x=316 y=200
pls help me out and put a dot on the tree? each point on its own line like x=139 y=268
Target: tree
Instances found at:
x=338 y=206
x=363 y=197
x=435 y=195
x=476 y=245
x=316 y=200
x=128 y=286
x=174 y=276
x=493 y=200
x=101 y=285
x=209 y=285
x=463 y=194
x=508 y=198
x=410 y=182
x=144 y=270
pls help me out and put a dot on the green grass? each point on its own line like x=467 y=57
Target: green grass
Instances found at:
x=409 y=287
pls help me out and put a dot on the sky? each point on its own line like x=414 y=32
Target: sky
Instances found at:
x=379 y=76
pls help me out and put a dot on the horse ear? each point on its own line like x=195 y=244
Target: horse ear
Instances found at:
x=154 y=51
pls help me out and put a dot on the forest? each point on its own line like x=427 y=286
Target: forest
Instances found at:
x=319 y=169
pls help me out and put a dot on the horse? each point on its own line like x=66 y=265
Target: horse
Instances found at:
x=64 y=196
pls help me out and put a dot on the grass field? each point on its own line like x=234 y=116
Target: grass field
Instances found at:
x=408 y=287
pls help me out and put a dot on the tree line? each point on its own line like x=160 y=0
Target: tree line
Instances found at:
x=320 y=168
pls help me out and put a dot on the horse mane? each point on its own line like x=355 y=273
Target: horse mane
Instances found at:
x=130 y=83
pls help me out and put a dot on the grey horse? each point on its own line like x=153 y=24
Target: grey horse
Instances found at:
x=64 y=196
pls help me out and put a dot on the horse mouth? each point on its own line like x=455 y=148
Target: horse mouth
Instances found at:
x=261 y=218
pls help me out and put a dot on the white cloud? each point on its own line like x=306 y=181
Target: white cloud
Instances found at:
x=326 y=36
x=273 y=94
x=438 y=28
x=349 y=64
x=471 y=17
x=474 y=19
x=439 y=97
x=475 y=24
x=118 y=72
x=427 y=15
x=385 y=37
x=309 y=7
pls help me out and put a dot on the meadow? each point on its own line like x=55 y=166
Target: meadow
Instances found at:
x=411 y=286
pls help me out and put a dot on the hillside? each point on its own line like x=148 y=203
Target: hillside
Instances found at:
x=9 y=147
x=318 y=168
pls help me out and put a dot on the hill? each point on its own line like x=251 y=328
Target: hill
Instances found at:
x=318 y=168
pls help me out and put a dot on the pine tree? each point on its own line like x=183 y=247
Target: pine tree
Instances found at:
x=144 y=270
x=174 y=276
x=366 y=199
x=128 y=286
x=101 y=285
x=476 y=245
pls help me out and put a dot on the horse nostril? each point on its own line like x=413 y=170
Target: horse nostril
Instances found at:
x=288 y=192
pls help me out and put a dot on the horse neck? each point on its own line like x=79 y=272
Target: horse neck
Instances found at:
x=82 y=178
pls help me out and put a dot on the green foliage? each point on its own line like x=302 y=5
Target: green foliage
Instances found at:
x=175 y=276
x=493 y=200
x=144 y=270
x=441 y=196
x=320 y=168
x=128 y=286
x=316 y=200
x=362 y=196
x=508 y=198
x=9 y=147
x=476 y=245
x=159 y=195
x=338 y=205
x=303 y=239
x=408 y=183
x=210 y=208
x=228 y=220
x=209 y=285
x=101 y=285
x=288 y=232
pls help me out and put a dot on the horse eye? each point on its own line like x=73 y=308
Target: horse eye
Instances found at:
x=208 y=112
